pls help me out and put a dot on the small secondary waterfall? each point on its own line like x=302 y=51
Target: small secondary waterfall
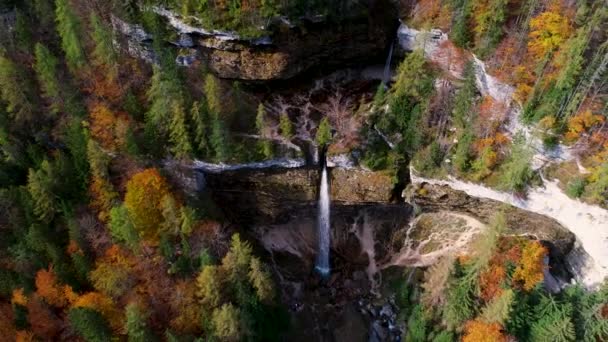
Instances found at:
x=387 y=66
x=323 y=224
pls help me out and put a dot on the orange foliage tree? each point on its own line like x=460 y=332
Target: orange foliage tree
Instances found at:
x=104 y=305
x=529 y=272
x=581 y=123
x=479 y=331
x=143 y=200
x=43 y=322
x=49 y=289
x=108 y=128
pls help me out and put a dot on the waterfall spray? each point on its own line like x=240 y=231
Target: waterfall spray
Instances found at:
x=323 y=223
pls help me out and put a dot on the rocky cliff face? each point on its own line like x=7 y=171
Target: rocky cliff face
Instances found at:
x=288 y=51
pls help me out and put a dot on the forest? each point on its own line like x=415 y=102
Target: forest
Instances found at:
x=100 y=243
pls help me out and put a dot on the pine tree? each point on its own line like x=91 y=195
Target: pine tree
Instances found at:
x=238 y=259
x=261 y=281
x=121 y=227
x=212 y=94
x=178 y=133
x=227 y=323
x=286 y=126
x=517 y=171
x=90 y=325
x=200 y=121
x=104 y=53
x=219 y=139
x=435 y=283
x=135 y=325
x=265 y=145
x=210 y=287
x=98 y=160
x=69 y=28
x=499 y=309
x=171 y=215
x=323 y=136
x=464 y=100
x=40 y=187
x=16 y=91
x=46 y=70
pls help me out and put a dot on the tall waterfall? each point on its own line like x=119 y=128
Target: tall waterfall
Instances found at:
x=323 y=223
x=387 y=66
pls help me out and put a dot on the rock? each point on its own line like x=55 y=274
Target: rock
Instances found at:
x=291 y=49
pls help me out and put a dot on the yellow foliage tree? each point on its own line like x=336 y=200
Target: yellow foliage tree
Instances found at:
x=104 y=305
x=529 y=272
x=548 y=31
x=143 y=200
x=479 y=331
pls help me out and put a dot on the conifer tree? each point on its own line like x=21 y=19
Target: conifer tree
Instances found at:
x=261 y=281
x=200 y=121
x=210 y=287
x=46 y=70
x=227 y=323
x=212 y=94
x=39 y=185
x=265 y=146
x=104 y=53
x=69 y=29
x=464 y=100
x=499 y=309
x=121 y=227
x=517 y=171
x=90 y=324
x=286 y=126
x=178 y=133
x=136 y=325
x=219 y=139
x=323 y=136
x=16 y=91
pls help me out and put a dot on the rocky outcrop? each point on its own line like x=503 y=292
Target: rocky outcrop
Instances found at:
x=290 y=49
x=435 y=198
x=274 y=195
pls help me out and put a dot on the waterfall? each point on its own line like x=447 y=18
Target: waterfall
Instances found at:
x=387 y=66
x=323 y=223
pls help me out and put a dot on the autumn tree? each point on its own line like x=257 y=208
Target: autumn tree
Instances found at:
x=261 y=281
x=49 y=289
x=547 y=32
x=479 y=331
x=226 y=323
x=143 y=200
x=210 y=285
x=69 y=29
x=530 y=270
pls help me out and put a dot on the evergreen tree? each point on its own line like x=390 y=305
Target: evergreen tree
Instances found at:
x=265 y=146
x=135 y=325
x=16 y=91
x=219 y=139
x=227 y=323
x=323 y=136
x=200 y=121
x=178 y=133
x=121 y=227
x=69 y=29
x=104 y=53
x=90 y=325
x=210 y=287
x=40 y=187
x=98 y=159
x=213 y=95
x=286 y=126
x=46 y=70
x=499 y=309
x=171 y=215
x=516 y=171
x=465 y=97
x=261 y=281
x=416 y=331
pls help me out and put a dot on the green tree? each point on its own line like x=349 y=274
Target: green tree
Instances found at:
x=46 y=70
x=465 y=97
x=178 y=133
x=265 y=145
x=121 y=227
x=499 y=309
x=227 y=323
x=220 y=139
x=517 y=171
x=261 y=280
x=285 y=126
x=213 y=95
x=460 y=34
x=598 y=189
x=16 y=91
x=69 y=29
x=238 y=259
x=136 y=325
x=417 y=325
x=323 y=136
x=104 y=53
x=98 y=160
x=200 y=121
x=90 y=325
x=210 y=287
x=171 y=215
x=40 y=187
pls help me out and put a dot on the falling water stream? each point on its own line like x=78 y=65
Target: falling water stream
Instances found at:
x=387 y=67
x=323 y=223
